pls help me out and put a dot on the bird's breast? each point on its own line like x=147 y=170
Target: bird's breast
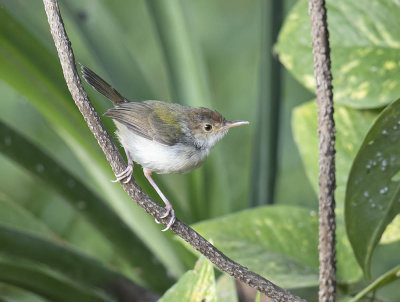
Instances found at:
x=159 y=158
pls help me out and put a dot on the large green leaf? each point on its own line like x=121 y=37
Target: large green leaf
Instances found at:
x=11 y=293
x=35 y=73
x=373 y=191
x=88 y=203
x=383 y=280
x=64 y=260
x=196 y=285
x=351 y=127
x=268 y=131
x=226 y=289
x=92 y=31
x=14 y=216
x=87 y=23
x=182 y=54
x=278 y=242
x=364 y=44
x=44 y=206
x=46 y=283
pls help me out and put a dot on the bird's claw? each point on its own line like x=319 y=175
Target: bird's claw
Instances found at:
x=169 y=210
x=127 y=173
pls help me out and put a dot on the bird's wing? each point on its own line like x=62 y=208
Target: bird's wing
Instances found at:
x=153 y=120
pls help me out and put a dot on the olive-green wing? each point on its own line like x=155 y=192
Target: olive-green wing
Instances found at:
x=151 y=119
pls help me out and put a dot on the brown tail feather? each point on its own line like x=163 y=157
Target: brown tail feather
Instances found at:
x=102 y=86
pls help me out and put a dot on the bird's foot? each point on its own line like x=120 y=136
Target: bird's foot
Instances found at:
x=169 y=210
x=168 y=205
x=126 y=174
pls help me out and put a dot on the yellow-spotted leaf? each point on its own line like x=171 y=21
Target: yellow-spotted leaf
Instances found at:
x=279 y=243
x=365 y=50
x=373 y=189
x=197 y=285
x=351 y=127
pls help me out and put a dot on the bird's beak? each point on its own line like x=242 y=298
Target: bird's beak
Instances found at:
x=231 y=124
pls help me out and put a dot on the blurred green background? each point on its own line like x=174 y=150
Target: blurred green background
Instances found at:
x=54 y=181
x=121 y=41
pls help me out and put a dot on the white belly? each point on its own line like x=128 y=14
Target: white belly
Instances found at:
x=160 y=158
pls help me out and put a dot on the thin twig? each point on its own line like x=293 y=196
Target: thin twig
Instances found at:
x=326 y=131
x=117 y=164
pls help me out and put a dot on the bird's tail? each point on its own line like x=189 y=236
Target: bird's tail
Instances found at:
x=102 y=86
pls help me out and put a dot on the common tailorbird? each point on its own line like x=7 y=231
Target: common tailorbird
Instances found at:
x=162 y=137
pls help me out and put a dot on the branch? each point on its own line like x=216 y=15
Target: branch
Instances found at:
x=117 y=164
x=326 y=131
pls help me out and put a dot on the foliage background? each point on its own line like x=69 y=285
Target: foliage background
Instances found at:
x=123 y=42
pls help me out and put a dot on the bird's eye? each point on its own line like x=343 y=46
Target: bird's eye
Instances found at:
x=208 y=127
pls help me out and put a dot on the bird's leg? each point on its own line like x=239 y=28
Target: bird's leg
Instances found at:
x=127 y=173
x=168 y=205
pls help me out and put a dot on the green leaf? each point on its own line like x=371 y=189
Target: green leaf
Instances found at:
x=373 y=195
x=64 y=260
x=88 y=203
x=196 y=285
x=351 y=127
x=182 y=54
x=392 y=232
x=268 y=131
x=104 y=23
x=226 y=289
x=35 y=72
x=46 y=283
x=387 y=278
x=258 y=297
x=11 y=293
x=15 y=216
x=279 y=243
x=364 y=50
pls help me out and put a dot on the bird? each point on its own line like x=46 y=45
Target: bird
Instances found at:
x=164 y=138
